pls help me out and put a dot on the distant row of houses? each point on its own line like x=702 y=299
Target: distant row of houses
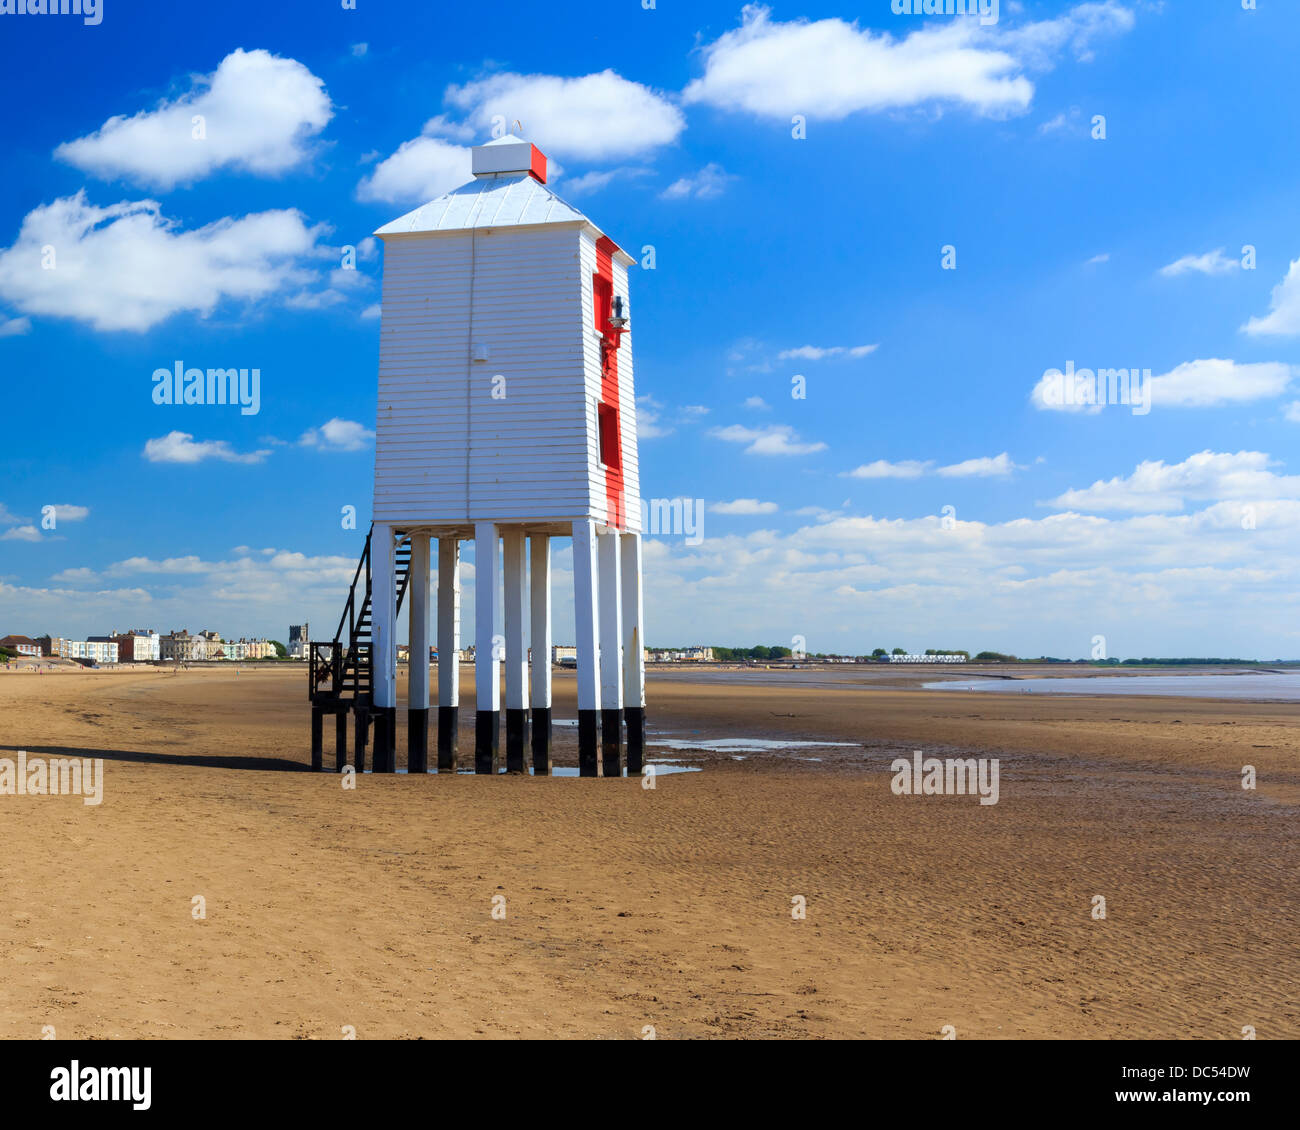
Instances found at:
x=148 y=646
x=566 y=655
x=684 y=655
x=142 y=646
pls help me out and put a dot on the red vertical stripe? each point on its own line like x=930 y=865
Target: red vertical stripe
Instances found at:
x=605 y=248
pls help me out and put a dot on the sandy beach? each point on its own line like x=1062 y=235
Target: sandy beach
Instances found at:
x=670 y=908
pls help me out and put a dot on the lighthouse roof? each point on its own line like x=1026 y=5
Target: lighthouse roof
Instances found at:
x=507 y=191
x=496 y=201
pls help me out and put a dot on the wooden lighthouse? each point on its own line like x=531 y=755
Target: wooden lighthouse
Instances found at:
x=507 y=417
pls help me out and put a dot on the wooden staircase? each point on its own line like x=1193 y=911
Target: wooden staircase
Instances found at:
x=341 y=673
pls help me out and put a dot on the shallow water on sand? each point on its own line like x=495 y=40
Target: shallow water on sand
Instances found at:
x=737 y=745
x=1264 y=685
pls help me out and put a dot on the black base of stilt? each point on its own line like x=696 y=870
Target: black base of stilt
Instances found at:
x=487 y=741
x=361 y=741
x=541 y=741
x=611 y=743
x=417 y=741
x=516 y=740
x=317 y=738
x=588 y=744
x=635 y=718
x=448 y=725
x=385 y=739
x=340 y=740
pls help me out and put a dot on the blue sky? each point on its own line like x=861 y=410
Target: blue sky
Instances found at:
x=1173 y=531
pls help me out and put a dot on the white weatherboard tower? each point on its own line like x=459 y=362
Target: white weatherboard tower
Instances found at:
x=507 y=416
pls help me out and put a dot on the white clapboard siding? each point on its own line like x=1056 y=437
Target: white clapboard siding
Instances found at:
x=446 y=449
x=627 y=408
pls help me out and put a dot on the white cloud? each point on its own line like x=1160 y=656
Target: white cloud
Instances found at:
x=1197 y=384
x=778 y=439
x=1158 y=487
x=360 y=49
x=830 y=68
x=1104 y=257
x=757 y=403
x=1193 y=384
x=649 y=419
x=1058 y=123
x=15 y=327
x=708 y=183
x=372 y=311
x=1211 y=263
x=128 y=267
x=652 y=417
x=1292 y=412
x=78 y=576
x=1153 y=584
x=181 y=447
x=995 y=466
x=1038 y=44
x=66 y=512
x=989 y=466
x=883 y=469
x=7 y=518
x=818 y=352
x=259 y=111
x=594 y=117
x=338 y=435
x=746 y=506
x=21 y=533
x=1283 y=318
x=422 y=169
x=247 y=594
x=595 y=181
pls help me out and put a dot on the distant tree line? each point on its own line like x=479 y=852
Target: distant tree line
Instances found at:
x=758 y=651
x=1147 y=662
x=881 y=655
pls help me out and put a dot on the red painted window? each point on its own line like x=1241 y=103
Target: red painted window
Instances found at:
x=607 y=418
x=603 y=296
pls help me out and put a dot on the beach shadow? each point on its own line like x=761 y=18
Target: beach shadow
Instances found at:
x=207 y=761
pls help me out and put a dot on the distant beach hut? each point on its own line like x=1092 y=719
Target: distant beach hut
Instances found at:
x=507 y=417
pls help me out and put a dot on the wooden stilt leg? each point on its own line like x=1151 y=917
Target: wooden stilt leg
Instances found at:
x=317 y=738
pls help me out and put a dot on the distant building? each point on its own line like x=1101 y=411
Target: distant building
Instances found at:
x=98 y=649
x=249 y=649
x=564 y=653
x=214 y=646
x=22 y=645
x=299 y=637
x=138 y=646
x=183 y=648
